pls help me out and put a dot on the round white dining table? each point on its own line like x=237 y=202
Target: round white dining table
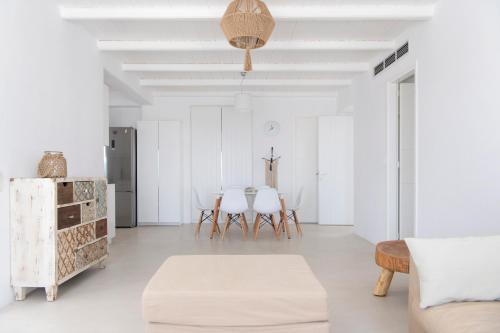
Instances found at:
x=218 y=199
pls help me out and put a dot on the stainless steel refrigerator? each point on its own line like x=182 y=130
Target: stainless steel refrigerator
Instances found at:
x=121 y=171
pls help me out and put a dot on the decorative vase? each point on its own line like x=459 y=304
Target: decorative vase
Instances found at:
x=52 y=165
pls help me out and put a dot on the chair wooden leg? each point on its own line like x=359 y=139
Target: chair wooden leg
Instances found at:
x=297 y=223
x=281 y=225
x=285 y=218
x=198 y=226
x=226 y=225
x=256 y=227
x=244 y=225
x=277 y=233
x=215 y=219
x=216 y=224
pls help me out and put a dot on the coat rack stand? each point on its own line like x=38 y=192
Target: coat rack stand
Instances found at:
x=271 y=170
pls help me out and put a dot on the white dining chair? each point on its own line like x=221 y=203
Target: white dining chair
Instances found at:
x=234 y=204
x=291 y=213
x=206 y=213
x=266 y=204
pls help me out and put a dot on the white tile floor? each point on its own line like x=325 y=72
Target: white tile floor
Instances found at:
x=109 y=300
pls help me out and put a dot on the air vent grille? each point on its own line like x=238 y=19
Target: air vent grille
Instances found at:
x=391 y=58
x=403 y=50
x=379 y=68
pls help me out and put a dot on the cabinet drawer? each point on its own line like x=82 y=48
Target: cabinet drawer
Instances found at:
x=64 y=193
x=85 y=234
x=91 y=253
x=88 y=211
x=101 y=228
x=68 y=216
x=66 y=250
x=84 y=191
x=101 y=200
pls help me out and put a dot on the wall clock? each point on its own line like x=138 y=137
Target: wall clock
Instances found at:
x=271 y=128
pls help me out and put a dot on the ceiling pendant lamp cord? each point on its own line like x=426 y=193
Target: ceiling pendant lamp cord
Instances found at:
x=243 y=76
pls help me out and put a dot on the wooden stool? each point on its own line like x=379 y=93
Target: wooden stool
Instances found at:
x=392 y=256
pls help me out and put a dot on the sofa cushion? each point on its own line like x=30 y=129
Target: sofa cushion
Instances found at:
x=235 y=290
x=465 y=317
x=319 y=327
x=456 y=269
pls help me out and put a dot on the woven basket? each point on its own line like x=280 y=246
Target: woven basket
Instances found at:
x=52 y=165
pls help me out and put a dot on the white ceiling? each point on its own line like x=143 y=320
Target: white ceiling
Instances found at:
x=340 y=35
x=216 y=3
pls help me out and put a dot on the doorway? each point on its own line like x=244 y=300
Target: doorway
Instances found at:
x=402 y=158
x=406 y=152
x=335 y=170
x=323 y=167
x=306 y=166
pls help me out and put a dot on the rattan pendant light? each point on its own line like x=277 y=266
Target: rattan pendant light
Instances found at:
x=247 y=24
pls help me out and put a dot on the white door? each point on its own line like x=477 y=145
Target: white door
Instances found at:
x=236 y=148
x=147 y=172
x=407 y=160
x=205 y=154
x=306 y=167
x=335 y=170
x=170 y=175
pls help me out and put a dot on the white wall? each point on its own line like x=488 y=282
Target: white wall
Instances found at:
x=458 y=117
x=282 y=109
x=53 y=101
x=124 y=116
x=345 y=100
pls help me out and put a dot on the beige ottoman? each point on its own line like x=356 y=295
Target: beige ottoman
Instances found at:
x=267 y=293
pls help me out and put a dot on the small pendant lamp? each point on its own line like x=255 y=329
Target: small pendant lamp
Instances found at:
x=242 y=100
x=247 y=24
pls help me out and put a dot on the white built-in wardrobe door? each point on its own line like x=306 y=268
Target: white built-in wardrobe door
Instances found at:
x=335 y=164
x=147 y=172
x=236 y=148
x=170 y=175
x=205 y=154
x=306 y=167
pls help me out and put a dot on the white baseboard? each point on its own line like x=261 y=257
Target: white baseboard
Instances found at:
x=173 y=224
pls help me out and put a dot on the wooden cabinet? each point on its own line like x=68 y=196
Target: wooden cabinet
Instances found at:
x=58 y=229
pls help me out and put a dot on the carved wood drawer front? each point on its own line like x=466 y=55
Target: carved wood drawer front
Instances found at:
x=68 y=216
x=84 y=191
x=64 y=193
x=101 y=200
x=88 y=211
x=85 y=234
x=66 y=248
x=101 y=228
x=90 y=253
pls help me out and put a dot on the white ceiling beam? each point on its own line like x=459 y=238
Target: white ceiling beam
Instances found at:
x=237 y=83
x=283 y=13
x=222 y=45
x=328 y=92
x=308 y=67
